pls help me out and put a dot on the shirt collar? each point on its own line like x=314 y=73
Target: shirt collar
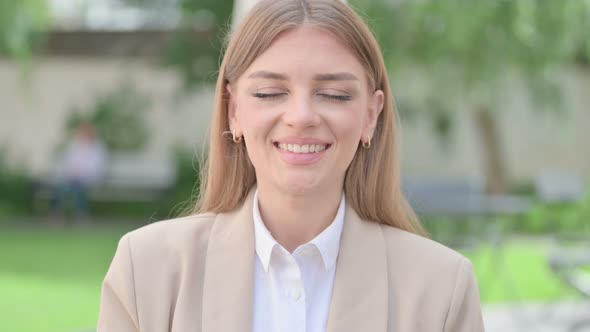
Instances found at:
x=327 y=242
x=264 y=240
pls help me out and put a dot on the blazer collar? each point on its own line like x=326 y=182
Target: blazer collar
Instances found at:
x=360 y=295
x=361 y=288
x=228 y=290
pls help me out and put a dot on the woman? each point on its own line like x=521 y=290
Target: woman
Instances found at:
x=301 y=224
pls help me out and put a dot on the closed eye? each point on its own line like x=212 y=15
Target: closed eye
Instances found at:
x=337 y=97
x=268 y=96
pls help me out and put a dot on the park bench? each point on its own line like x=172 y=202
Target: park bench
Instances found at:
x=128 y=178
x=568 y=259
x=462 y=200
x=437 y=196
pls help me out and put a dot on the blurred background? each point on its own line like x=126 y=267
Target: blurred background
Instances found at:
x=105 y=105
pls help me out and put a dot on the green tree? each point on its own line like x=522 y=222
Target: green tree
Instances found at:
x=23 y=26
x=197 y=44
x=119 y=117
x=194 y=49
x=468 y=49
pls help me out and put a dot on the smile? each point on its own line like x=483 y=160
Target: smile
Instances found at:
x=304 y=148
x=304 y=153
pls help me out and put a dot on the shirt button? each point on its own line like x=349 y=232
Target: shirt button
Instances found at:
x=296 y=293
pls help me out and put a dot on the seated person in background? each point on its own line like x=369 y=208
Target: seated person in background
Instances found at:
x=82 y=164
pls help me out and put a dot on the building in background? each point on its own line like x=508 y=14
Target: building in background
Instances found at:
x=97 y=47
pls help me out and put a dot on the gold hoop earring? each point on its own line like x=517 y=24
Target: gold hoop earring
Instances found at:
x=237 y=139
x=367 y=144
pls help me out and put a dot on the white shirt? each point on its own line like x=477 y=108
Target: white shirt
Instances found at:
x=84 y=161
x=292 y=292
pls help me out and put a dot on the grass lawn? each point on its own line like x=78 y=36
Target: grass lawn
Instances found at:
x=522 y=274
x=50 y=278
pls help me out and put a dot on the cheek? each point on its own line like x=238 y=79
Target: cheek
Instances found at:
x=256 y=126
x=348 y=123
x=348 y=130
x=251 y=119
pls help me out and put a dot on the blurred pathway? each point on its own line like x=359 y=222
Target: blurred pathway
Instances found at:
x=554 y=317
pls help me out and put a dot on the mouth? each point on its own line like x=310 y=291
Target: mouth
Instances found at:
x=302 y=148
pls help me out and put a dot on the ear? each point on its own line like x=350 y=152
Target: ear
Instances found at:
x=373 y=110
x=231 y=109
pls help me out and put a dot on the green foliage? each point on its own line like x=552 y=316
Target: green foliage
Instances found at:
x=568 y=220
x=562 y=219
x=475 y=44
x=469 y=52
x=15 y=188
x=119 y=117
x=198 y=58
x=196 y=46
x=23 y=26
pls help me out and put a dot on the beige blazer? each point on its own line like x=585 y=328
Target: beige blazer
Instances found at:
x=197 y=274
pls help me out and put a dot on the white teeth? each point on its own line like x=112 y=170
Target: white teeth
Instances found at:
x=306 y=148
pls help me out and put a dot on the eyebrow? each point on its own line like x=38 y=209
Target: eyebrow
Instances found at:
x=268 y=75
x=342 y=76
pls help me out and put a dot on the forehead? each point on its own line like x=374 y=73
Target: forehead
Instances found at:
x=306 y=51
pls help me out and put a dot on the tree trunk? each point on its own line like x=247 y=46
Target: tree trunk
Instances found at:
x=495 y=170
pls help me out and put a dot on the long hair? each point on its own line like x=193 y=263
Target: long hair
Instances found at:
x=372 y=182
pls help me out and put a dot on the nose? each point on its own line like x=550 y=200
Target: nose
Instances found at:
x=300 y=113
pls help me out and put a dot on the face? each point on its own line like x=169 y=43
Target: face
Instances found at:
x=303 y=107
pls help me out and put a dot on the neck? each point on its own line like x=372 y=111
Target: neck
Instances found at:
x=294 y=219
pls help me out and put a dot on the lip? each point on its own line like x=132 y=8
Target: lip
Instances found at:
x=300 y=140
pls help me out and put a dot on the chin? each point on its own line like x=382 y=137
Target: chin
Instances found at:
x=299 y=185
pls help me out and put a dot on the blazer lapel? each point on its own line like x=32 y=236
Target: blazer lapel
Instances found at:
x=360 y=295
x=229 y=272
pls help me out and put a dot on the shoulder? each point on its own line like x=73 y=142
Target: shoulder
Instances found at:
x=422 y=255
x=431 y=278
x=169 y=238
x=417 y=245
x=176 y=226
x=430 y=271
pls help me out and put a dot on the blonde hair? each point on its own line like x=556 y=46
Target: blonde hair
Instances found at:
x=372 y=182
